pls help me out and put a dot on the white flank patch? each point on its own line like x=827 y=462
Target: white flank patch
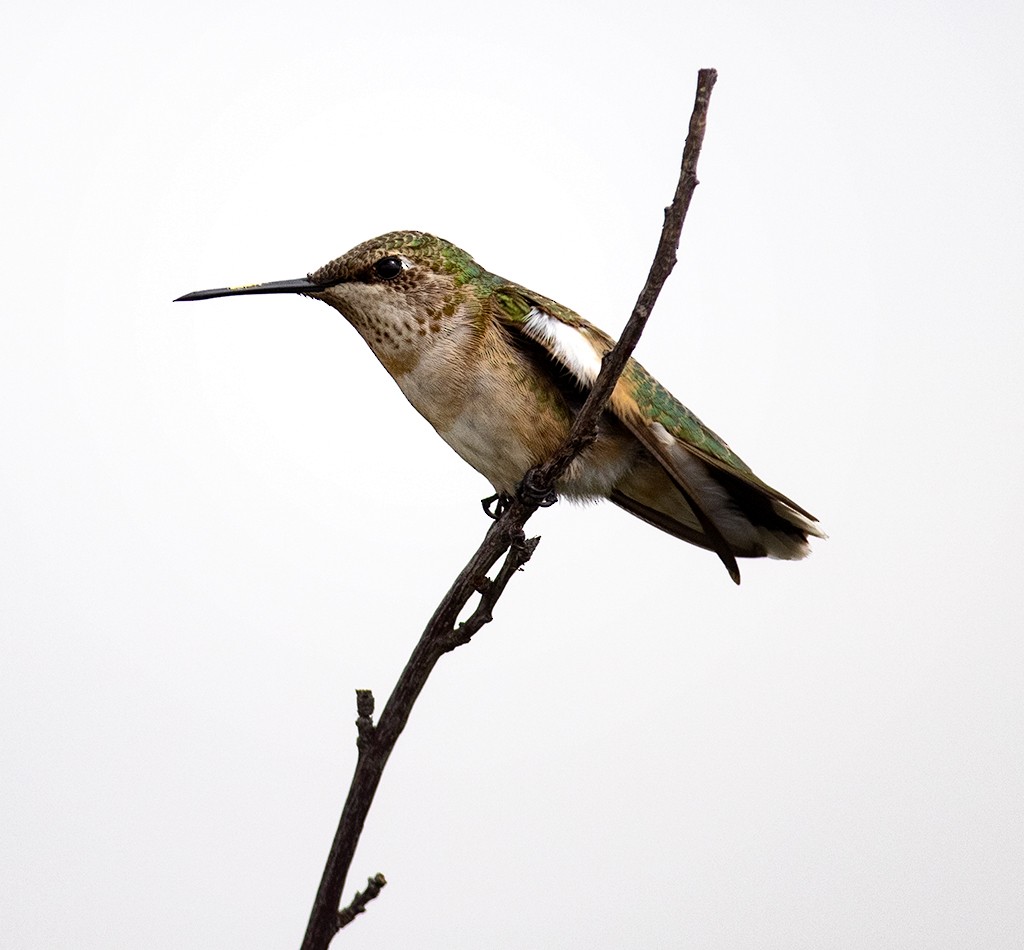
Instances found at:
x=569 y=345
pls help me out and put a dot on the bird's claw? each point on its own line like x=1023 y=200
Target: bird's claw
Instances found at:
x=496 y=505
x=534 y=494
x=529 y=491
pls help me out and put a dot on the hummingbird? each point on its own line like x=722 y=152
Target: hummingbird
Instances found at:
x=499 y=372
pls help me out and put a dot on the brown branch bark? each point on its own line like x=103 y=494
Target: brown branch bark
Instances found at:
x=376 y=742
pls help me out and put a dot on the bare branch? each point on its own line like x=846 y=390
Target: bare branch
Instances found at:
x=585 y=425
x=506 y=534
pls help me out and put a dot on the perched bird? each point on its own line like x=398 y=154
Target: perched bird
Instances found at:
x=499 y=372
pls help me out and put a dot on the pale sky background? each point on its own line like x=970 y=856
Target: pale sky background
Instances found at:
x=220 y=519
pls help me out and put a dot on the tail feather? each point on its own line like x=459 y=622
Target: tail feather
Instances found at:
x=752 y=522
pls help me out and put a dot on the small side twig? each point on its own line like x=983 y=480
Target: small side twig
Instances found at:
x=505 y=534
x=520 y=551
x=358 y=906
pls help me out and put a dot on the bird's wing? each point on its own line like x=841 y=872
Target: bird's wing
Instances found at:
x=664 y=426
x=579 y=347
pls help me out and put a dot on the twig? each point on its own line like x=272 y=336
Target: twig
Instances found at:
x=584 y=427
x=376 y=743
x=373 y=887
x=519 y=553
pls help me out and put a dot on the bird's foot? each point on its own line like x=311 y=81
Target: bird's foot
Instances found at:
x=534 y=494
x=496 y=505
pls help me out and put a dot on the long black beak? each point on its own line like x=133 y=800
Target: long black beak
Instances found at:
x=301 y=285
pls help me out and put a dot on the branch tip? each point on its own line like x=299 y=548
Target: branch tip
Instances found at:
x=364 y=702
x=364 y=714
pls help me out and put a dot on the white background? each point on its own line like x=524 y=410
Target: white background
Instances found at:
x=219 y=519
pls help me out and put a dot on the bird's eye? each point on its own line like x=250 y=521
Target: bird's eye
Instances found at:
x=388 y=268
